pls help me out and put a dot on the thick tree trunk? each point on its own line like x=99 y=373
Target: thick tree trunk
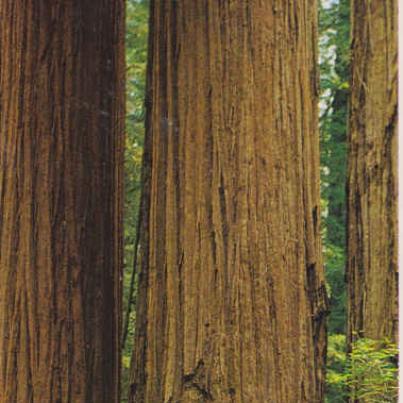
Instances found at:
x=61 y=99
x=372 y=172
x=231 y=300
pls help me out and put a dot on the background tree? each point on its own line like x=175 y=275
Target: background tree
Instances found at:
x=61 y=143
x=334 y=45
x=334 y=55
x=374 y=377
x=231 y=298
x=136 y=56
x=372 y=172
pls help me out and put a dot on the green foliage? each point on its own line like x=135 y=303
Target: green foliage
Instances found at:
x=335 y=260
x=136 y=60
x=336 y=387
x=373 y=371
x=368 y=373
x=334 y=64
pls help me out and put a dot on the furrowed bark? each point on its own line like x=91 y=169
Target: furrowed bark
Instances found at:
x=231 y=300
x=372 y=173
x=61 y=153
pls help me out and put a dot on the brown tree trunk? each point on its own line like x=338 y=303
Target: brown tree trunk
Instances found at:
x=372 y=172
x=61 y=125
x=231 y=298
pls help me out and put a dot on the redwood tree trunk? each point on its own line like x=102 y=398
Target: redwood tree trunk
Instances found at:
x=372 y=172
x=231 y=298
x=61 y=100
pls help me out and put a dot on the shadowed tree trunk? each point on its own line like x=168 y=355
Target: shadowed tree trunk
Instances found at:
x=61 y=125
x=231 y=299
x=372 y=172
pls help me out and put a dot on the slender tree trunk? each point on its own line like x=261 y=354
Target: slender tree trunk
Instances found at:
x=61 y=120
x=231 y=299
x=372 y=172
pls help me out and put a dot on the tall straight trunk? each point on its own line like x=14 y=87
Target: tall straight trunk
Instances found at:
x=231 y=299
x=61 y=125
x=372 y=172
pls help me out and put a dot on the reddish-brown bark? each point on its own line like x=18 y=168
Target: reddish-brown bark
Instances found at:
x=231 y=298
x=61 y=125
x=372 y=172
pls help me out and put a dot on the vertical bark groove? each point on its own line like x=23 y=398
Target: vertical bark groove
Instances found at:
x=231 y=298
x=61 y=150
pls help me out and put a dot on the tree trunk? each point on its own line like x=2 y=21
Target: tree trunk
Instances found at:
x=372 y=172
x=61 y=143
x=231 y=299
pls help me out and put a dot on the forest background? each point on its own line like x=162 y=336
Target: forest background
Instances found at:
x=334 y=49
